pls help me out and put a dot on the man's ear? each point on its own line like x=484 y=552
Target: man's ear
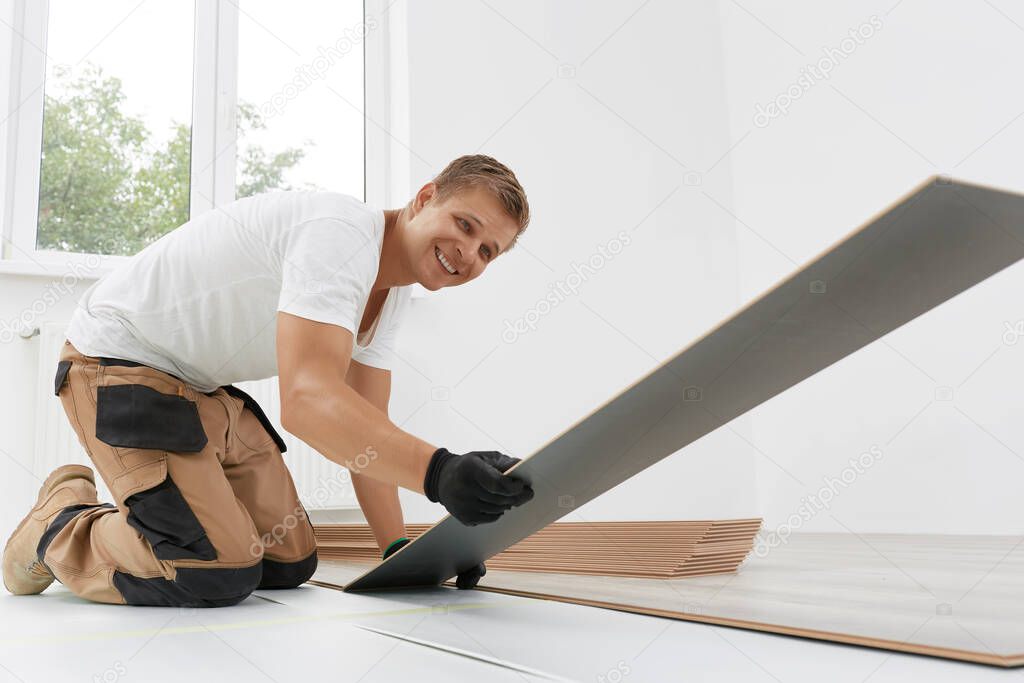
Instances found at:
x=423 y=197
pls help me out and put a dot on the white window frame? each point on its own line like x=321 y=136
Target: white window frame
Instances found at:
x=213 y=153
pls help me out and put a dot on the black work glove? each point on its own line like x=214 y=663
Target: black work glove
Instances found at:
x=472 y=487
x=465 y=580
x=469 y=578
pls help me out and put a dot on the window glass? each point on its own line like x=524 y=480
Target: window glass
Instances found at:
x=300 y=91
x=117 y=124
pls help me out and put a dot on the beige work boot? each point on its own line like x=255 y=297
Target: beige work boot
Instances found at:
x=68 y=485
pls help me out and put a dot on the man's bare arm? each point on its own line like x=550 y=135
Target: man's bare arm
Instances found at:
x=319 y=407
x=378 y=500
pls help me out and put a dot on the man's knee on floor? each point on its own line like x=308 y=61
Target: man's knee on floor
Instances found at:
x=191 y=587
x=164 y=518
x=278 y=574
x=219 y=586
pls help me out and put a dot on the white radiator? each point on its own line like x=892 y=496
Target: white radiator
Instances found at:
x=320 y=482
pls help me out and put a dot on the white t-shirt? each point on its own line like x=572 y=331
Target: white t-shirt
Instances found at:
x=201 y=302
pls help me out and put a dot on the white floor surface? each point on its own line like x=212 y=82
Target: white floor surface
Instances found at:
x=316 y=633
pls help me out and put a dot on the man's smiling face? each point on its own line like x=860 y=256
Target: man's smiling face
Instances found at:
x=453 y=241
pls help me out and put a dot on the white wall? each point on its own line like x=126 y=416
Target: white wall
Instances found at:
x=936 y=88
x=627 y=133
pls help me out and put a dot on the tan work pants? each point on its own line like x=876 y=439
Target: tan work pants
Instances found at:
x=206 y=510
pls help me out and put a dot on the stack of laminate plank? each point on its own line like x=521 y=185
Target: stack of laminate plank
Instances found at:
x=670 y=549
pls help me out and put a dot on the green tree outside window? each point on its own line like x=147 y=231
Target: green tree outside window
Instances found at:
x=105 y=189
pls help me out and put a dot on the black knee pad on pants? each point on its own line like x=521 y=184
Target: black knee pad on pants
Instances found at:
x=288 y=574
x=191 y=587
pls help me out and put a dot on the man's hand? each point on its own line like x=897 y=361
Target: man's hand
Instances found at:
x=469 y=578
x=466 y=580
x=394 y=547
x=472 y=487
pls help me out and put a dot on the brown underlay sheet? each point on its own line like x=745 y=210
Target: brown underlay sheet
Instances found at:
x=955 y=597
x=669 y=549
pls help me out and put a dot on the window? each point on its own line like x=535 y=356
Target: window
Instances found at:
x=117 y=125
x=300 y=93
x=127 y=118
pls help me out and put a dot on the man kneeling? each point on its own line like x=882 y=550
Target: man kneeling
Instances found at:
x=308 y=286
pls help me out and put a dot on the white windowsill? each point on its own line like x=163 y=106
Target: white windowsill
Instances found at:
x=75 y=265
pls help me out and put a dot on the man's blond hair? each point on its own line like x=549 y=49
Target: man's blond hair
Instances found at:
x=479 y=170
